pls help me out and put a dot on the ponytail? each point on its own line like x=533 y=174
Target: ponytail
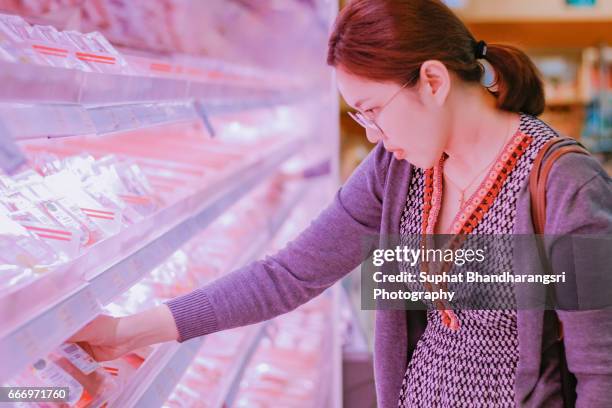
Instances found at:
x=518 y=84
x=388 y=40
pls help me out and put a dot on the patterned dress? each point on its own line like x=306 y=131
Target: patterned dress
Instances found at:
x=474 y=366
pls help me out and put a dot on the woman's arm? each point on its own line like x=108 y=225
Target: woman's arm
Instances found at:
x=107 y=337
x=323 y=253
x=579 y=196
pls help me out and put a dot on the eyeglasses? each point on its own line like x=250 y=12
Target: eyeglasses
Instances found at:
x=370 y=123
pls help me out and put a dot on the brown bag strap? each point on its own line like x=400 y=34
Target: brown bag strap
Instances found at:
x=539 y=175
x=542 y=165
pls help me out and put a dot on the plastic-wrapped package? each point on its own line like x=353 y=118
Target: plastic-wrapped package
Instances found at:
x=62 y=209
x=64 y=240
x=285 y=369
x=38 y=45
x=203 y=265
x=97 y=383
x=90 y=229
x=56 y=47
x=101 y=210
x=45 y=45
x=95 y=188
x=173 y=277
x=45 y=372
x=208 y=370
x=91 y=53
x=123 y=369
x=138 y=297
x=22 y=256
x=115 y=183
x=13 y=33
x=70 y=366
x=129 y=183
x=105 y=53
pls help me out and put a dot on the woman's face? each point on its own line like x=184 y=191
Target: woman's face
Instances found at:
x=412 y=122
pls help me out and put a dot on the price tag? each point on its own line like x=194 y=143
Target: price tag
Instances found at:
x=78 y=357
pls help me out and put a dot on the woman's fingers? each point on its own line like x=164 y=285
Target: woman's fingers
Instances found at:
x=88 y=349
x=107 y=337
x=82 y=335
x=104 y=353
x=100 y=330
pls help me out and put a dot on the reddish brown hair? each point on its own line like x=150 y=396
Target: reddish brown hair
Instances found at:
x=388 y=40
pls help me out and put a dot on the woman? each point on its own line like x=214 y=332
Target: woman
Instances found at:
x=444 y=127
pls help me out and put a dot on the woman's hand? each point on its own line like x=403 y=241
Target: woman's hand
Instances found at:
x=108 y=338
x=99 y=338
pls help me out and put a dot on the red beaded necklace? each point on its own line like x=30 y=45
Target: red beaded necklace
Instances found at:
x=470 y=214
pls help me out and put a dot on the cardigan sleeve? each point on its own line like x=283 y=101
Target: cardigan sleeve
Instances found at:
x=579 y=213
x=318 y=169
x=329 y=248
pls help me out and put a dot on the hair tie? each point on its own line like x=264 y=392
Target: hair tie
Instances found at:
x=481 y=49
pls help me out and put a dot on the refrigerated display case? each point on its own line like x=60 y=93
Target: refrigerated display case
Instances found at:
x=135 y=169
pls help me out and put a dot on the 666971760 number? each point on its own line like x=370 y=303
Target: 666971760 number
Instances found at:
x=34 y=394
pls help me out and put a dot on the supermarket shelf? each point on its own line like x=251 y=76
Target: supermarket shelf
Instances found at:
x=43 y=84
x=50 y=102
x=162 y=371
x=325 y=384
x=232 y=105
x=358 y=340
x=336 y=394
x=118 y=118
x=47 y=121
x=208 y=205
x=41 y=334
x=328 y=367
x=23 y=121
x=230 y=388
x=116 y=264
x=159 y=374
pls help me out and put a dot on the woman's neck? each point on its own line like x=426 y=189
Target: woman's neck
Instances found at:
x=478 y=133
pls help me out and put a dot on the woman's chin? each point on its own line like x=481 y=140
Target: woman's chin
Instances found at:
x=416 y=160
x=421 y=162
x=399 y=155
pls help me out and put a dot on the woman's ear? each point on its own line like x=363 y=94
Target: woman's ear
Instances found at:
x=434 y=83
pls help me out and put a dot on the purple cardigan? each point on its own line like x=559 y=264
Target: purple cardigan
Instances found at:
x=370 y=203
